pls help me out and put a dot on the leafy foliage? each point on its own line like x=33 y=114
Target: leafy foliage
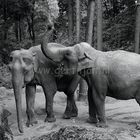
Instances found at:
x=22 y=23
x=119 y=31
x=77 y=133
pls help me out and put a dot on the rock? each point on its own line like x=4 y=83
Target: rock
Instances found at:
x=2 y=92
x=5 y=92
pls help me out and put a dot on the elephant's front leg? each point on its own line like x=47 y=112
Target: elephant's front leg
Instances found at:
x=71 y=108
x=49 y=95
x=100 y=108
x=92 y=108
x=99 y=90
x=30 y=100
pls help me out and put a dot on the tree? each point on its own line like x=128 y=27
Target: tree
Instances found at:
x=82 y=90
x=99 y=24
x=32 y=31
x=89 y=33
x=70 y=21
x=137 y=29
x=77 y=21
x=5 y=18
x=91 y=10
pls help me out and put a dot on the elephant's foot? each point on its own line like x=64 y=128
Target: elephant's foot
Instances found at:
x=31 y=119
x=41 y=111
x=71 y=111
x=101 y=125
x=92 y=120
x=74 y=112
x=50 y=119
x=31 y=123
x=68 y=115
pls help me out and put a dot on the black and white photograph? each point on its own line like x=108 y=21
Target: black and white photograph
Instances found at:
x=69 y=69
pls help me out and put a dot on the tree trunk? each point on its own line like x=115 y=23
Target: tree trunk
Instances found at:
x=16 y=30
x=77 y=21
x=5 y=18
x=82 y=90
x=70 y=21
x=20 y=31
x=30 y=21
x=99 y=25
x=91 y=8
x=32 y=27
x=29 y=28
x=137 y=29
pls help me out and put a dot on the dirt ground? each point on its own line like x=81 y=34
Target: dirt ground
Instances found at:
x=122 y=117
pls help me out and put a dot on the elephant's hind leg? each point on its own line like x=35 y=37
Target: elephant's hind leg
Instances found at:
x=30 y=100
x=71 y=108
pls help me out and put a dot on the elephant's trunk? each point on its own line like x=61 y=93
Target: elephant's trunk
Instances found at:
x=46 y=39
x=53 y=51
x=17 y=81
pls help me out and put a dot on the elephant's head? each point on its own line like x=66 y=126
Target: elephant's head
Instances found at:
x=22 y=69
x=73 y=59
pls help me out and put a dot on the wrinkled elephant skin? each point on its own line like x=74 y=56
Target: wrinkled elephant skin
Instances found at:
x=112 y=73
x=30 y=68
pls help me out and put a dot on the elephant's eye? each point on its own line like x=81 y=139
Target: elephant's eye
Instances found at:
x=27 y=61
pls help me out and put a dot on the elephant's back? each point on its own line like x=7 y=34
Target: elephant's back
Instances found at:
x=124 y=58
x=124 y=65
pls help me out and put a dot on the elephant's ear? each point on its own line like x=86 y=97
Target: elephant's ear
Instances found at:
x=84 y=58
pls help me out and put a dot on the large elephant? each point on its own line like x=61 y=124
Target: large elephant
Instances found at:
x=112 y=73
x=30 y=68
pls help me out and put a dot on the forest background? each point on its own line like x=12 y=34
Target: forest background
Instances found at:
x=22 y=23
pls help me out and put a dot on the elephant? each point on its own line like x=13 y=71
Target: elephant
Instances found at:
x=112 y=73
x=30 y=67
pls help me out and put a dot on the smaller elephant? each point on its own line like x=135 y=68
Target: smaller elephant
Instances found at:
x=112 y=73
x=30 y=68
